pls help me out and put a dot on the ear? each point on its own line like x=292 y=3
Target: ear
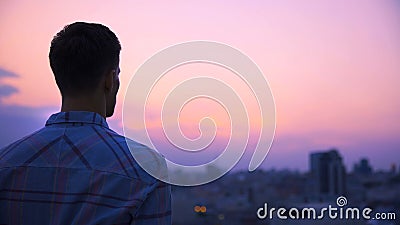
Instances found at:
x=109 y=81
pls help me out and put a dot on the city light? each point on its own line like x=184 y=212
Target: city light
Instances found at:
x=200 y=209
x=197 y=208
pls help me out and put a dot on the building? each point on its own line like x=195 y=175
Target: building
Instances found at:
x=328 y=175
x=363 y=167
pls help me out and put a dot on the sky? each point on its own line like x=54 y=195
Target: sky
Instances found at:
x=332 y=68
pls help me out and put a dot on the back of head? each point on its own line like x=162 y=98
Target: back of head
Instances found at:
x=80 y=55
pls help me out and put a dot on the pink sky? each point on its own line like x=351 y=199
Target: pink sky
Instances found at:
x=332 y=67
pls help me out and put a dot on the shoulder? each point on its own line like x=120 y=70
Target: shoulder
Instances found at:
x=147 y=160
x=8 y=151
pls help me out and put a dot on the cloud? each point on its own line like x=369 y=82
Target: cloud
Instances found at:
x=18 y=121
x=6 y=73
x=7 y=90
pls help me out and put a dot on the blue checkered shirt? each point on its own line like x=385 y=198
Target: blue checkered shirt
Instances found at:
x=76 y=170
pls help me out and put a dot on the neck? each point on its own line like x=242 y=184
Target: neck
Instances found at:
x=84 y=103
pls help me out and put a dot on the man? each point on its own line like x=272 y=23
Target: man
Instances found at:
x=76 y=170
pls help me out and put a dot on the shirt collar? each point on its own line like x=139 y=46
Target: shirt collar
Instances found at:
x=77 y=117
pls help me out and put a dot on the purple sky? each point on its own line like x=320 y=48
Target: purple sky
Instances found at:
x=332 y=67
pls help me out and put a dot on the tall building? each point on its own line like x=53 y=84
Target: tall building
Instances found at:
x=363 y=167
x=328 y=174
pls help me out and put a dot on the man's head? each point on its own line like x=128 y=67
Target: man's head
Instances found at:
x=84 y=58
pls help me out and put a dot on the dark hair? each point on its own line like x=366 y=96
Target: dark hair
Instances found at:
x=81 y=54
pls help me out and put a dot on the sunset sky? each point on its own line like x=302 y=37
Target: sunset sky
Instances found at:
x=333 y=67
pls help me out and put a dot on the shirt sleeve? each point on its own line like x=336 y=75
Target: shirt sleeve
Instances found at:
x=156 y=208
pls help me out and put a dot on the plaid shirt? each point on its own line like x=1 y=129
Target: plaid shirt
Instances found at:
x=78 y=171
